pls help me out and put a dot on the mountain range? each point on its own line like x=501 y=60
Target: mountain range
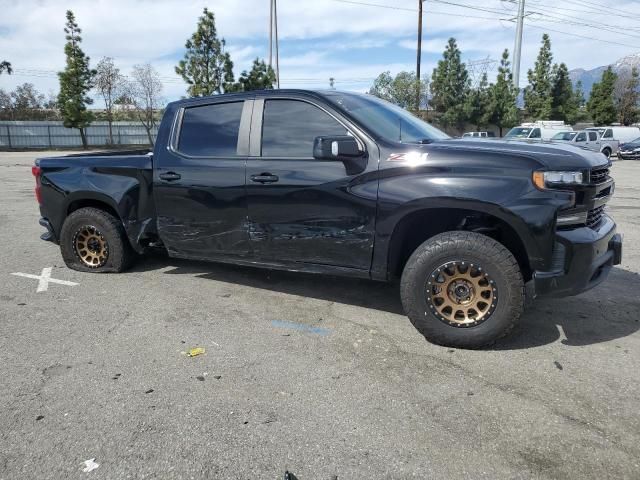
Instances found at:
x=589 y=77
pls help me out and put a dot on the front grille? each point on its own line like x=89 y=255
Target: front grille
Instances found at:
x=599 y=175
x=594 y=216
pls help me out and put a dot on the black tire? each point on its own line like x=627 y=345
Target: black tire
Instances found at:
x=472 y=248
x=118 y=255
x=607 y=152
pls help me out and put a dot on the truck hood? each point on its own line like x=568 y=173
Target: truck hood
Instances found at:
x=552 y=155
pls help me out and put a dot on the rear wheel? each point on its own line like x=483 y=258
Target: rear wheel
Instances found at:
x=607 y=152
x=462 y=289
x=93 y=240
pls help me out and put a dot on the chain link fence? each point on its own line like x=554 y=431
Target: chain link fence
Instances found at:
x=52 y=134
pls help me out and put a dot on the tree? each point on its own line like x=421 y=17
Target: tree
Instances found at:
x=538 y=97
x=75 y=82
x=109 y=83
x=260 y=77
x=6 y=66
x=24 y=103
x=563 y=99
x=628 y=97
x=503 y=112
x=450 y=87
x=144 y=92
x=478 y=103
x=400 y=90
x=601 y=104
x=206 y=67
x=579 y=103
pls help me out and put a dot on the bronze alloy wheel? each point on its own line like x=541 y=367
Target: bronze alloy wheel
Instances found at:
x=461 y=294
x=91 y=246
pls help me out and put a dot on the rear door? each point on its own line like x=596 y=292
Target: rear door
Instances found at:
x=199 y=180
x=302 y=209
x=593 y=143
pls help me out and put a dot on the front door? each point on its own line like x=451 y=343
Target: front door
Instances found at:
x=199 y=181
x=302 y=209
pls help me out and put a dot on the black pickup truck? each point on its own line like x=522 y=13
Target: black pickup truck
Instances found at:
x=342 y=183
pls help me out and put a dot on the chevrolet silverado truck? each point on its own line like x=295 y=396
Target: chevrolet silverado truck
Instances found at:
x=345 y=184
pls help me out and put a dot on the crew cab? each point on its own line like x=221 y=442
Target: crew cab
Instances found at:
x=345 y=184
x=590 y=139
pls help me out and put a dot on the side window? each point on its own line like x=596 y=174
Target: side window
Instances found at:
x=593 y=136
x=289 y=128
x=582 y=137
x=536 y=133
x=608 y=133
x=210 y=130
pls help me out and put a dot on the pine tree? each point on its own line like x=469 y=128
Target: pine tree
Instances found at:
x=206 y=67
x=450 y=87
x=503 y=112
x=478 y=104
x=579 y=103
x=260 y=77
x=563 y=100
x=538 y=94
x=627 y=103
x=75 y=82
x=601 y=104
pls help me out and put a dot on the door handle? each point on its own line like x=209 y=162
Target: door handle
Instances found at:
x=264 y=178
x=170 y=176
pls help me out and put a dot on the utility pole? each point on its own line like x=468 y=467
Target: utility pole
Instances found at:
x=419 y=56
x=275 y=21
x=270 y=32
x=517 y=51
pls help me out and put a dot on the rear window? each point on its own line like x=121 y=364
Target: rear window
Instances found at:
x=211 y=130
x=593 y=136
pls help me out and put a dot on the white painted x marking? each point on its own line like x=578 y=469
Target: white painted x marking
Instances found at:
x=44 y=279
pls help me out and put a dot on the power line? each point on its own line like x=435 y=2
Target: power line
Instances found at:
x=379 y=5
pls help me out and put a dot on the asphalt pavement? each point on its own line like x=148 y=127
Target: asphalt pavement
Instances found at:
x=321 y=376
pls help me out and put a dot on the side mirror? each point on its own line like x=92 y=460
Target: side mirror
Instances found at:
x=341 y=148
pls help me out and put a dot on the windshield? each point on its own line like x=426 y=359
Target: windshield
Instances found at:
x=386 y=120
x=519 y=132
x=567 y=136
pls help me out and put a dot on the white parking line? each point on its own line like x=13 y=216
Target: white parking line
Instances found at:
x=44 y=279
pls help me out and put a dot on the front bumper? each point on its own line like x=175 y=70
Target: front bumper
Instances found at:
x=585 y=257
x=626 y=155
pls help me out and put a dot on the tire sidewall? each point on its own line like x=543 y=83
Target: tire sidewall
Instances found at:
x=113 y=237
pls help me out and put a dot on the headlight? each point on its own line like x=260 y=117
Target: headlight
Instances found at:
x=545 y=180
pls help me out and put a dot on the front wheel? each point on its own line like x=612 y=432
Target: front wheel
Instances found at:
x=462 y=289
x=93 y=240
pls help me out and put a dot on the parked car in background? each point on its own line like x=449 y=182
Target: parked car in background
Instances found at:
x=479 y=135
x=589 y=139
x=538 y=131
x=620 y=133
x=563 y=136
x=630 y=150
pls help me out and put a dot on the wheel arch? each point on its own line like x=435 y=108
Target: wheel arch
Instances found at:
x=418 y=225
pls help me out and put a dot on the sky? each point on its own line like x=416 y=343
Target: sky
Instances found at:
x=319 y=39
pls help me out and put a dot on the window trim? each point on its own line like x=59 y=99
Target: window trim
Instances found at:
x=243 y=130
x=258 y=124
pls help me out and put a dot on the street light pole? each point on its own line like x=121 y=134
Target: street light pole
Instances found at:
x=275 y=19
x=419 y=56
x=517 y=51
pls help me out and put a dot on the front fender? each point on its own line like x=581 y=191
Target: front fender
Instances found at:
x=509 y=197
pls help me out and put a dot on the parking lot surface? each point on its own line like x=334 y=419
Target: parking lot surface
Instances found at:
x=321 y=376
